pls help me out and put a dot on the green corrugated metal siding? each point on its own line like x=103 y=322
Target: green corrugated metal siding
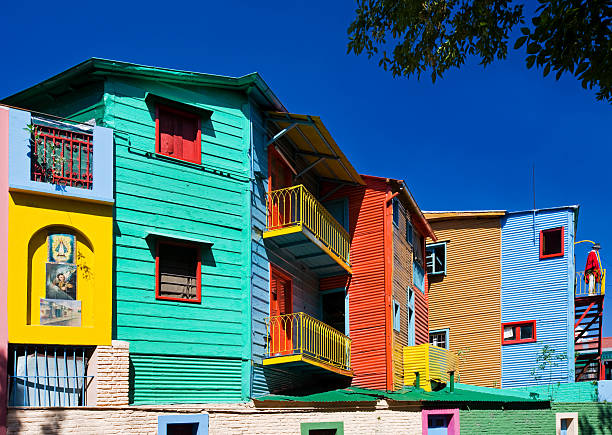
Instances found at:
x=182 y=379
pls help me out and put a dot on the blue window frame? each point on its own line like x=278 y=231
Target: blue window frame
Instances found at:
x=396 y=315
x=436 y=258
x=184 y=423
x=396 y=212
x=411 y=318
x=409 y=232
x=418 y=276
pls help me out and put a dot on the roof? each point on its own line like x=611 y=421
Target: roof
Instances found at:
x=561 y=207
x=315 y=145
x=446 y=215
x=462 y=393
x=96 y=67
x=406 y=195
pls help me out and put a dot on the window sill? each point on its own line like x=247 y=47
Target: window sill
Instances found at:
x=506 y=343
x=542 y=257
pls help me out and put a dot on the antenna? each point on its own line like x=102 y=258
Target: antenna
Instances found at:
x=534 y=187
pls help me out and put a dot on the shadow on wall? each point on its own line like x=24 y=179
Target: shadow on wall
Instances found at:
x=595 y=426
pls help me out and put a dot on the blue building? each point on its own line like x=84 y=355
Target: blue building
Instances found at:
x=537 y=295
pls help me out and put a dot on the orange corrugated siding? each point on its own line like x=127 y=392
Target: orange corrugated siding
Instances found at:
x=367 y=304
x=468 y=299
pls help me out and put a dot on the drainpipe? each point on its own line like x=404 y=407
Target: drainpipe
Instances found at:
x=452 y=381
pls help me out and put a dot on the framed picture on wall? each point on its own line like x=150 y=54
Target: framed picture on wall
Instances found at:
x=61 y=248
x=60 y=312
x=61 y=281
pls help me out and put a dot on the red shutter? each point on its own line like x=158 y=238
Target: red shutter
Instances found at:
x=179 y=135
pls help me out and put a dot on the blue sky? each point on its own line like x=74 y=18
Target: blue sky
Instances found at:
x=467 y=142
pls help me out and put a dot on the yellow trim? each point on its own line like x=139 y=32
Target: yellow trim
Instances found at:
x=31 y=217
x=300 y=337
x=294 y=209
x=463 y=214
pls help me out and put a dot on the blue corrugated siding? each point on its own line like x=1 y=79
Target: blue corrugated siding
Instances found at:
x=537 y=289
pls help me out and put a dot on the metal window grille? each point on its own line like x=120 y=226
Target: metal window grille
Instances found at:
x=62 y=156
x=49 y=376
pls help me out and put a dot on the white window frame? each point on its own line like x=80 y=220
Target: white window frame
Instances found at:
x=444 y=331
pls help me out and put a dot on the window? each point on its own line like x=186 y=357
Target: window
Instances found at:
x=552 y=243
x=396 y=212
x=440 y=421
x=178 y=134
x=436 y=259
x=439 y=338
x=409 y=232
x=418 y=248
x=178 y=272
x=411 y=318
x=338 y=208
x=567 y=423
x=396 y=315
x=519 y=332
x=327 y=428
x=184 y=424
x=41 y=375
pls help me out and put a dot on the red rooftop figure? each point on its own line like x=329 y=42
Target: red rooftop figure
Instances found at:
x=592 y=271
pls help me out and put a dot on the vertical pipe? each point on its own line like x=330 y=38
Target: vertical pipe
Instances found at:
x=46 y=377
x=36 y=389
x=452 y=381
x=25 y=377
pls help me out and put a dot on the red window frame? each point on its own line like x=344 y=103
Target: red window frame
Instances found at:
x=517 y=332
x=198 y=248
x=562 y=253
x=198 y=139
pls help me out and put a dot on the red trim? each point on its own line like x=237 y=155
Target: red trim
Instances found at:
x=198 y=299
x=517 y=332
x=275 y=270
x=198 y=139
x=562 y=243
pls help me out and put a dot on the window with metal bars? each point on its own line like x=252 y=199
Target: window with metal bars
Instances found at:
x=47 y=375
x=61 y=156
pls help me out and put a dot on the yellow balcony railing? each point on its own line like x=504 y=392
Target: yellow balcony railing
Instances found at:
x=297 y=207
x=582 y=287
x=432 y=363
x=299 y=334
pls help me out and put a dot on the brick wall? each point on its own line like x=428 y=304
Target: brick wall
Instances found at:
x=224 y=419
x=593 y=418
x=110 y=368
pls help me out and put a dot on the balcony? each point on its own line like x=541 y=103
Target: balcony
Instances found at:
x=426 y=366
x=300 y=224
x=582 y=287
x=300 y=341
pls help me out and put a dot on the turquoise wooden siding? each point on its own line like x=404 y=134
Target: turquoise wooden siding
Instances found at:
x=165 y=196
x=537 y=289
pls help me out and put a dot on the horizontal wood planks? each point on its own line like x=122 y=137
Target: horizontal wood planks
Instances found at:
x=467 y=299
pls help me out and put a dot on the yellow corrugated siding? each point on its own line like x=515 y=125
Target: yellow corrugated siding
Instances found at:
x=467 y=300
x=415 y=360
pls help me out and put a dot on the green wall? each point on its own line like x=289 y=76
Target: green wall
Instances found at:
x=182 y=352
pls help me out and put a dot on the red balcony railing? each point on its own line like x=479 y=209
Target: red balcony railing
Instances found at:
x=62 y=157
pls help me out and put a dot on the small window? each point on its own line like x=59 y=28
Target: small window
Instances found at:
x=178 y=135
x=439 y=338
x=178 y=272
x=409 y=232
x=327 y=428
x=552 y=243
x=184 y=424
x=436 y=259
x=567 y=423
x=396 y=212
x=519 y=332
x=396 y=315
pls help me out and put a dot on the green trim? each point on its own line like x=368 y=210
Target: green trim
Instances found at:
x=305 y=428
x=174 y=236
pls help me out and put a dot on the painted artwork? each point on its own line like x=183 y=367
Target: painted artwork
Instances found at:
x=61 y=248
x=60 y=312
x=61 y=281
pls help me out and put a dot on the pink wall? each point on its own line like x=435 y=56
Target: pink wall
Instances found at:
x=4 y=201
x=453 y=427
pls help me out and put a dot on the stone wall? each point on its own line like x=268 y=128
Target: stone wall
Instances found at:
x=110 y=368
x=224 y=419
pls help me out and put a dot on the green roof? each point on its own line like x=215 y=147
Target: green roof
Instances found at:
x=408 y=394
x=96 y=67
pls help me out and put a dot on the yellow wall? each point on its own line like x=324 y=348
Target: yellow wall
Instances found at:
x=31 y=217
x=468 y=299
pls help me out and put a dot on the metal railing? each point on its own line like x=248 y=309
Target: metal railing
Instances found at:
x=301 y=334
x=296 y=206
x=61 y=156
x=582 y=287
x=432 y=363
x=48 y=375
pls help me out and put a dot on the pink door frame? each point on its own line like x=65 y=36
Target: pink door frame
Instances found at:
x=453 y=427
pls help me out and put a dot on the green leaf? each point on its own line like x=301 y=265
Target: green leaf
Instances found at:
x=530 y=61
x=519 y=42
x=533 y=48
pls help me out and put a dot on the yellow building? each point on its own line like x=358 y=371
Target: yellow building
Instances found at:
x=464 y=272
x=60 y=254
